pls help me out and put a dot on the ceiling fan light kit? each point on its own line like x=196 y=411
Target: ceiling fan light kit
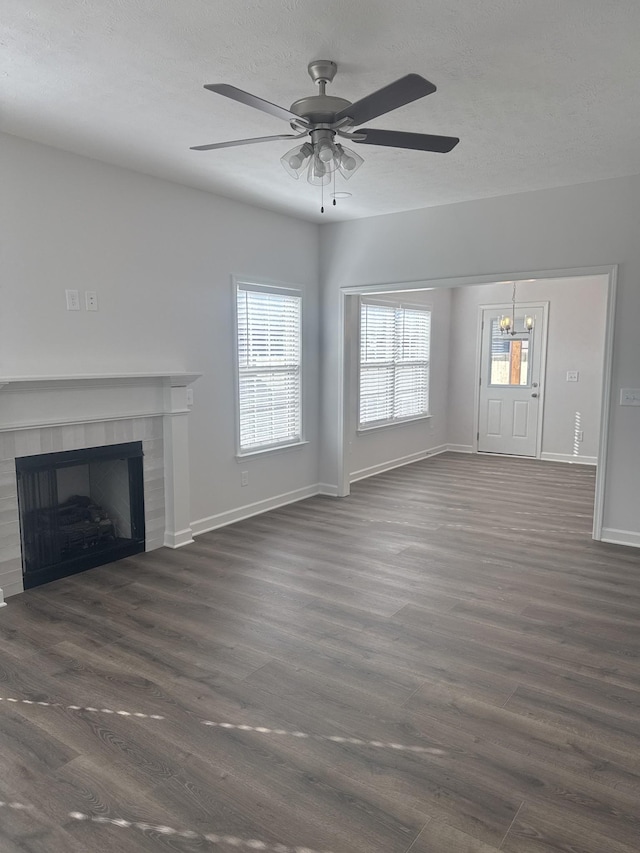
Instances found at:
x=324 y=117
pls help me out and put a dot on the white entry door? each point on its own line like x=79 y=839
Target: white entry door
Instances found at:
x=510 y=401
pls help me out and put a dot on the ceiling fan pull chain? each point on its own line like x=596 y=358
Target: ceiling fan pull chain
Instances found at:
x=334 y=187
x=321 y=198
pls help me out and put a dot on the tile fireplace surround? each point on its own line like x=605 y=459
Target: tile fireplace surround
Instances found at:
x=48 y=414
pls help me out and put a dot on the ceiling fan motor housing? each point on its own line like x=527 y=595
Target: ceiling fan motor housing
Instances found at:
x=319 y=109
x=322 y=108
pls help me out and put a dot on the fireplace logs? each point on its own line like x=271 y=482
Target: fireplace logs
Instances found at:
x=78 y=524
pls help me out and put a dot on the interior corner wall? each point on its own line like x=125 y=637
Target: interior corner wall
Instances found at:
x=576 y=332
x=587 y=225
x=379 y=449
x=160 y=257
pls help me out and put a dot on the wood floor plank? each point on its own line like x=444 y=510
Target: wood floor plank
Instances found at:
x=535 y=831
x=436 y=708
x=591 y=722
x=438 y=836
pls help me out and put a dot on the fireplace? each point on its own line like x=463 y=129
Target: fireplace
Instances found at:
x=79 y=509
x=45 y=415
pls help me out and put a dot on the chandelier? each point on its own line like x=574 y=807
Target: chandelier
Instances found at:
x=322 y=158
x=508 y=324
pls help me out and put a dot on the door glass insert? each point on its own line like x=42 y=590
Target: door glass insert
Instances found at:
x=510 y=355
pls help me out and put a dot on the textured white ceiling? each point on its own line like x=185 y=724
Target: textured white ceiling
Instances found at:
x=542 y=92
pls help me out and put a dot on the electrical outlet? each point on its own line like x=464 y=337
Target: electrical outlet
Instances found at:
x=91 y=300
x=572 y=375
x=244 y=478
x=580 y=435
x=73 y=300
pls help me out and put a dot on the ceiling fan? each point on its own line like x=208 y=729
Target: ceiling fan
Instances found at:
x=324 y=117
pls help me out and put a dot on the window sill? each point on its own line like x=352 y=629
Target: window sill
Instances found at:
x=374 y=427
x=279 y=448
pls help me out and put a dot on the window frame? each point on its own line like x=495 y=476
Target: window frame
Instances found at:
x=519 y=336
x=393 y=422
x=266 y=286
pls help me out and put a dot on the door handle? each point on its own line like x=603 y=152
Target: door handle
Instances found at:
x=534 y=394
x=534 y=384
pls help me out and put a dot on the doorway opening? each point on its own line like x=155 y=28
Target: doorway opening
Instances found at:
x=463 y=340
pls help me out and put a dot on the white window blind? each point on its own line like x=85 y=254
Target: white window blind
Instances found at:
x=269 y=366
x=394 y=363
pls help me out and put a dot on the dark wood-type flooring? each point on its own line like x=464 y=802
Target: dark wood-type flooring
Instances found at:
x=457 y=606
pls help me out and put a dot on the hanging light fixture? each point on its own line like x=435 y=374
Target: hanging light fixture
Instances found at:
x=508 y=324
x=322 y=158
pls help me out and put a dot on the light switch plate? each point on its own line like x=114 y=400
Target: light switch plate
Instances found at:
x=573 y=375
x=189 y=396
x=630 y=396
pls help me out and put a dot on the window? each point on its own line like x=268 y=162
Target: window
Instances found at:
x=509 y=355
x=394 y=363
x=268 y=321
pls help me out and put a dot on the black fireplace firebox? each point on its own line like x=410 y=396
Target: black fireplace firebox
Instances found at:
x=79 y=509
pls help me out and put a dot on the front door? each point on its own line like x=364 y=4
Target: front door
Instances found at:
x=510 y=382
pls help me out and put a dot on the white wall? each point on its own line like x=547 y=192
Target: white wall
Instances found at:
x=576 y=330
x=160 y=257
x=379 y=449
x=580 y=226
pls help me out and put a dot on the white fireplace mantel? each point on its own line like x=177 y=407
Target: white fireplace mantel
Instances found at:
x=28 y=402
x=25 y=383
x=43 y=413
x=173 y=378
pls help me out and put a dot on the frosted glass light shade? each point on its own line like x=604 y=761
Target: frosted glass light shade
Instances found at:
x=294 y=161
x=348 y=161
x=319 y=173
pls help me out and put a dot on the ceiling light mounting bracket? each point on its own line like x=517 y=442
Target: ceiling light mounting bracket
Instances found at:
x=322 y=71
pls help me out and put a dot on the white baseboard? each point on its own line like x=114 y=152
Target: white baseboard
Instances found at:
x=395 y=463
x=212 y=522
x=327 y=489
x=13 y=588
x=568 y=457
x=459 y=448
x=179 y=538
x=621 y=537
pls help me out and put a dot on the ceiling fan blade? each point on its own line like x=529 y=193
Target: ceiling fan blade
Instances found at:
x=400 y=139
x=251 y=141
x=252 y=101
x=397 y=94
